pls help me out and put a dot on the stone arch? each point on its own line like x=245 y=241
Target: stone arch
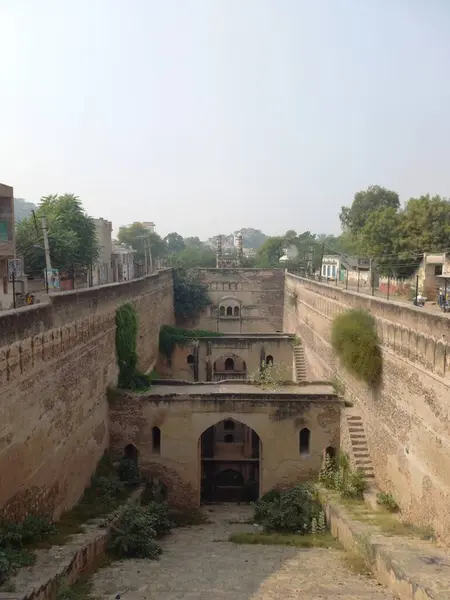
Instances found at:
x=304 y=441
x=156 y=440
x=229 y=365
x=236 y=451
x=229 y=306
x=269 y=360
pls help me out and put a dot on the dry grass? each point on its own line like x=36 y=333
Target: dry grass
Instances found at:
x=356 y=564
x=285 y=539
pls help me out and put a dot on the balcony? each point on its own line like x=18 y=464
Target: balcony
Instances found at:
x=220 y=375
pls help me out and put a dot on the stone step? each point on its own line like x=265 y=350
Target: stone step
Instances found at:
x=356 y=428
x=354 y=418
x=361 y=455
x=359 y=443
x=358 y=436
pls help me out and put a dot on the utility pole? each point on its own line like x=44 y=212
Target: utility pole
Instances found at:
x=48 y=262
x=150 y=260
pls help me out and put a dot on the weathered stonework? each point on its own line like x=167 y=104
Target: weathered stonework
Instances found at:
x=406 y=420
x=56 y=363
x=184 y=413
x=257 y=293
x=249 y=349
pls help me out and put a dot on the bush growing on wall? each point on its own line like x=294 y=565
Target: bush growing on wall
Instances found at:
x=127 y=358
x=356 y=343
x=190 y=296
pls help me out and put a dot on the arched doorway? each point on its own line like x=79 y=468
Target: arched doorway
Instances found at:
x=230 y=463
x=229 y=367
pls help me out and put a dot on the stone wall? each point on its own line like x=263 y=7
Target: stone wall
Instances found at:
x=407 y=419
x=184 y=417
x=250 y=349
x=56 y=363
x=257 y=293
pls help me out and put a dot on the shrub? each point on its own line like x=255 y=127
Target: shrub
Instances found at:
x=295 y=510
x=349 y=483
x=138 y=529
x=388 y=501
x=355 y=341
x=36 y=528
x=128 y=470
x=13 y=536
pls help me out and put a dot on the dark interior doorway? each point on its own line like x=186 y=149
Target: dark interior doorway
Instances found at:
x=230 y=463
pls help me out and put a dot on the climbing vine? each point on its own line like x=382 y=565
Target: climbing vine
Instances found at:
x=169 y=337
x=127 y=358
x=355 y=341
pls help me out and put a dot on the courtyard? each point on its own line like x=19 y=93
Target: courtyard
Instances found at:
x=199 y=562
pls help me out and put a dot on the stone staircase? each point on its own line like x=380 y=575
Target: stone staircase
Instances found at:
x=300 y=363
x=359 y=445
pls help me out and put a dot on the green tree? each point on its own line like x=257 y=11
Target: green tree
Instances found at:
x=379 y=238
x=71 y=233
x=425 y=225
x=174 y=243
x=270 y=252
x=193 y=256
x=140 y=238
x=252 y=238
x=365 y=203
x=190 y=295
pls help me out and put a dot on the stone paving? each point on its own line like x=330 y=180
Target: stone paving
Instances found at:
x=200 y=563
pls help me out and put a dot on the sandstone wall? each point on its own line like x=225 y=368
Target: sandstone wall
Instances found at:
x=407 y=420
x=183 y=419
x=259 y=293
x=56 y=362
x=249 y=349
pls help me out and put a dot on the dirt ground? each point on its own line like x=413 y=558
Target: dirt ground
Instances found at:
x=199 y=563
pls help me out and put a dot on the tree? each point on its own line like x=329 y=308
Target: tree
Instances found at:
x=190 y=295
x=140 y=238
x=193 y=256
x=365 y=203
x=425 y=225
x=174 y=243
x=71 y=232
x=379 y=238
x=252 y=238
x=270 y=252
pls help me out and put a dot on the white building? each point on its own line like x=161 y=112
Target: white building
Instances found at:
x=290 y=253
x=122 y=262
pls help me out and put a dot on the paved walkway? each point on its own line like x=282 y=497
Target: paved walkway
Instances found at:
x=199 y=563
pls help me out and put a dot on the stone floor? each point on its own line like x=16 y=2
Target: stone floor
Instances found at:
x=200 y=563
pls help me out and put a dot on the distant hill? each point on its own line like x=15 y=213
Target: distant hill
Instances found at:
x=22 y=208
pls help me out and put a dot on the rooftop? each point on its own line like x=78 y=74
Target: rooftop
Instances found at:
x=238 y=388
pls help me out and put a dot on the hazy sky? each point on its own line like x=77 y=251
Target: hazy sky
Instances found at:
x=209 y=115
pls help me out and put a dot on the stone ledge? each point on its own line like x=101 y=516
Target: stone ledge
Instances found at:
x=79 y=555
x=413 y=569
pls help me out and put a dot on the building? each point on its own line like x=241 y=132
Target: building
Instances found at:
x=102 y=271
x=122 y=262
x=7 y=243
x=342 y=268
x=290 y=253
x=149 y=226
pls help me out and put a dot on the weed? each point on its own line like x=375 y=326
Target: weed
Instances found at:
x=388 y=501
x=356 y=564
x=285 y=539
x=348 y=483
